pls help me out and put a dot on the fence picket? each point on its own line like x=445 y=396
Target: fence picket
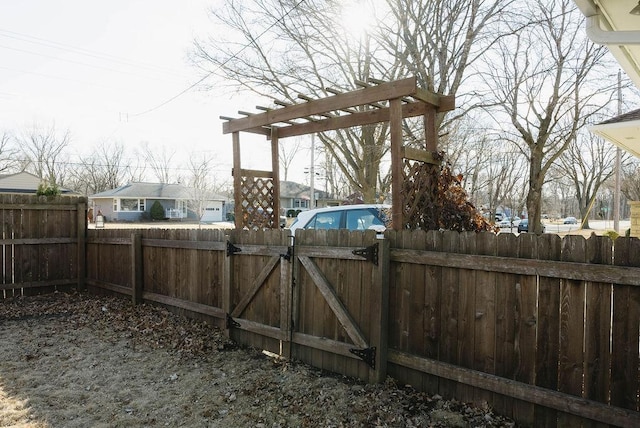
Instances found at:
x=526 y=295
x=548 y=337
x=598 y=325
x=572 y=295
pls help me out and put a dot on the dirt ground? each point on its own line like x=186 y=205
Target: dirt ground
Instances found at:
x=85 y=361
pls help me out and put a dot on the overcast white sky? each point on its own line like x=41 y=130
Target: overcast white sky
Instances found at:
x=97 y=68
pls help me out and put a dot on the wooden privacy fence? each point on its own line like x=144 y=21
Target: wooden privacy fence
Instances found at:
x=545 y=330
x=43 y=243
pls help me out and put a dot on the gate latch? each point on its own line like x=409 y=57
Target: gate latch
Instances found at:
x=370 y=253
x=232 y=249
x=289 y=254
x=368 y=355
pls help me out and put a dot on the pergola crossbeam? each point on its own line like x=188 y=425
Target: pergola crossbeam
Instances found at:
x=385 y=91
x=355 y=119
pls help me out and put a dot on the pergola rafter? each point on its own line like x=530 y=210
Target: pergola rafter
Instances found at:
x=376 y=102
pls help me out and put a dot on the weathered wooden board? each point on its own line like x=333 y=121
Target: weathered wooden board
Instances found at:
x=625 y=330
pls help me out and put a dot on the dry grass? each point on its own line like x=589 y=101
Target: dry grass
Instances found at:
x=83 y=361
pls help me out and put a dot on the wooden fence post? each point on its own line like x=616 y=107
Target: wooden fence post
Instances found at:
x=379 y=317
x=286 y=299
x=226 y=286
x=81 y=215
x=136 y=268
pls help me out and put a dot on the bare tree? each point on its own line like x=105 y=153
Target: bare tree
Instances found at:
x=559 y=195
x=631 y=180
x=159 y=160
x=280 y=48
x=199 y=180
x=546 y=80
x=8 y=153
x=588 y=162
x=101 y=170
x=287 y=154
x=504 y=180
x=44 y=153
x=469 y=151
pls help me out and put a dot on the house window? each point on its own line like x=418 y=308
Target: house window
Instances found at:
x=123 y=204
x=300 y=203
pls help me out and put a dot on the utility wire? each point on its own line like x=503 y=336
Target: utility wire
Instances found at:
x=85 y=52
x=99 y=67
x=235 y=55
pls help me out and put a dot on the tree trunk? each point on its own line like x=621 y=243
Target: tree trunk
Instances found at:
x=534 y=197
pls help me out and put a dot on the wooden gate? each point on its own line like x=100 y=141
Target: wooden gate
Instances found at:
x=258 y=298
x=340 y=300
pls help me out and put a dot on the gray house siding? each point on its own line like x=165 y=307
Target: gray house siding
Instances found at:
x=105 y=206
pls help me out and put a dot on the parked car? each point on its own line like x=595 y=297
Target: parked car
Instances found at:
x=509 y=222
x=570 y=220
x=351 y=217
x=523 y=226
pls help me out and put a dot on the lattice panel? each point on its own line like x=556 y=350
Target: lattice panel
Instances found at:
x=257 y=201
x=419 y=195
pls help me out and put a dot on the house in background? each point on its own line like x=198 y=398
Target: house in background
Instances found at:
x=133 y=202
x=24 y=182
x=297 y=197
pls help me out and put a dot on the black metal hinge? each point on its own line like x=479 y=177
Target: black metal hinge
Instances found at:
x=232 y=249
x=370 y=253
x=231 y=322
x=368 y=355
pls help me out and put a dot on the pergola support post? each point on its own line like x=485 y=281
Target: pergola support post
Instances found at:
x=430 y=130
x=395 y=122
x=275 y=166
x=237 y=181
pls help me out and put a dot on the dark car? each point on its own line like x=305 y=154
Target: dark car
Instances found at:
x=523 y=227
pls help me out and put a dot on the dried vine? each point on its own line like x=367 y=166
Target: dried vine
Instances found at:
x=434 y=199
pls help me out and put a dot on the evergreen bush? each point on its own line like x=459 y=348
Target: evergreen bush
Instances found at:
x=157 y=212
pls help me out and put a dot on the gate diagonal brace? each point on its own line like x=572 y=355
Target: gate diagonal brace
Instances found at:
x=370 y=253
x=232 y=323
x=368 y=355
x=232 y=249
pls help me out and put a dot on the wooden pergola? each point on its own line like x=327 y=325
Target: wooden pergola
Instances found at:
x=257 y=193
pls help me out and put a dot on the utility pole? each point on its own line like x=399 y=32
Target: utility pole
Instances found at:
x=616 y=195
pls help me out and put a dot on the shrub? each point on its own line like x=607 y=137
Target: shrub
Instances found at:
x=157 y=212
x=48 y=190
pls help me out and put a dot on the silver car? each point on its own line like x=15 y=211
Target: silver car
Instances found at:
x=351 y=217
